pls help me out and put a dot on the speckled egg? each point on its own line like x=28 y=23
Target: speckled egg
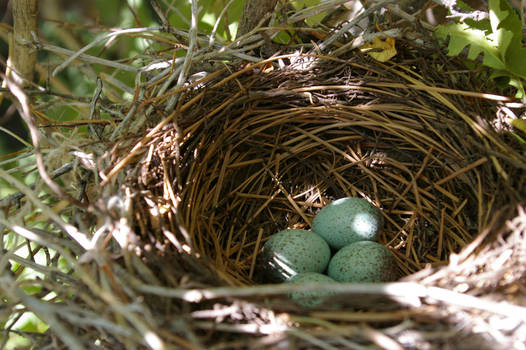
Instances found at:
x=363 y=261
x=348 y=220
x=290 y=252
x=313 y=298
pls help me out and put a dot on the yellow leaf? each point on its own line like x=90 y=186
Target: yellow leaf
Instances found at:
x=380 y=50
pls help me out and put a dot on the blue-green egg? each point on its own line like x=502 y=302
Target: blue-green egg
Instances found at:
x=363 y=261
x=348 y=220
x=290 y=252
x=311 y=298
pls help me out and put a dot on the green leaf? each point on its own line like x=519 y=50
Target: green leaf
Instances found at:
x=519 y=124
x=282 y=38
x=503 y=24
x=498 y=40
x=31 y=289
x=461 y=35
x=515 y=60
x=507 y=30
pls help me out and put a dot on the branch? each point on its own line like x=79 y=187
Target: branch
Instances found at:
x=22 y=57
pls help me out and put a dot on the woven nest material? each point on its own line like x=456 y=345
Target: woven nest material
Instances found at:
x=262 y=152
x=262 y=149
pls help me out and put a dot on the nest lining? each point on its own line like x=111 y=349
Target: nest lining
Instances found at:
x=260 y=152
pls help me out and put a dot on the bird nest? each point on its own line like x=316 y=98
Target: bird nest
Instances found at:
x=256 y=153
x=186 y=204
x=261 y=149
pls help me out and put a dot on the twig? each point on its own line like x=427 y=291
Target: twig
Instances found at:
x=311 y=339
x=43 y=310
x=133 y=109
x=71 y=230
x=25 y=112
x=395 y=8
x=188 y=59
x=176 y=11
x=92 y=108
x=216 y=25
x=98 y=41
x=15 y=136
x=16 y=197
x=404 y=292
x=148 y=335
x=86 y=58
x=46 y=92
x=345 y=29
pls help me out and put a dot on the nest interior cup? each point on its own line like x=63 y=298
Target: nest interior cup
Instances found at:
x=266 y=152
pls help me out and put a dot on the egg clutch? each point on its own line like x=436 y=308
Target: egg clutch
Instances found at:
x=349 y=227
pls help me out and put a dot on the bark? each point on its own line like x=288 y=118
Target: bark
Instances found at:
x=22 y=57
x=253 y=12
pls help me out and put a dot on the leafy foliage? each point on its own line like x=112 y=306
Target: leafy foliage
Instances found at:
x=498 y=39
